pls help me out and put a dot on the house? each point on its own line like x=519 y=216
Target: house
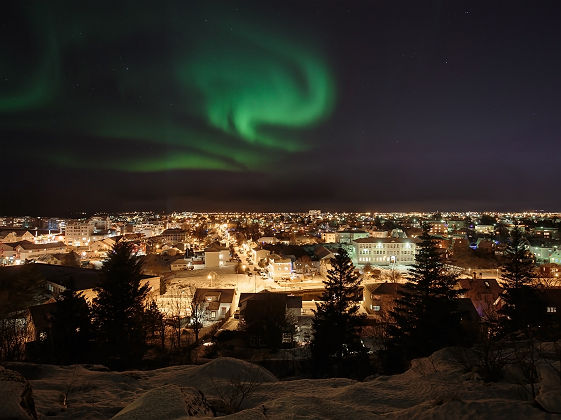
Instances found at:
x=271 y=240
x=102 y=246
x=545 y=232
x=485 y=229
x=546 y=305
x=174 y=235
x=7 y=254
x=542 y=249
x=10 y=236
x=293 y=303
x=555 y=257
x=217 y=303
x=57 y=278
x=550 y=270
x=468 y=317
x=256 y=310
x=41 y=321
x=437 y=228
x=26 y=250
x=551 y=297
x=379 y=298
x=259 y=254
x=329 y=237
x=181 y=264
x=324 y=257
x=347 y=236
x=279 y=267
x=381 y=233
x=482 y=292
x=216 y=256
x=306 y=266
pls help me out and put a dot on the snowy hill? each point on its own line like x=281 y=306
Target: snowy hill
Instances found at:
x=438 y=387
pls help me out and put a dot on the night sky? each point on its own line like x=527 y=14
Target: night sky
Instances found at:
x=338 y=105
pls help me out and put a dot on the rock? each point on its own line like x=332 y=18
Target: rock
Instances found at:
x=167 y=402
x=17 y=398
x=549 y=387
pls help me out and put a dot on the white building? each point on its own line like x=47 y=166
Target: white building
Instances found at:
x=78 y=232
x=384 y=251
x=216 y=256
x=279 y=267
x=329 y=237
x=216 y=304
x=267 y=240
x=485 y=229
x=259 y=254
x=27 y=250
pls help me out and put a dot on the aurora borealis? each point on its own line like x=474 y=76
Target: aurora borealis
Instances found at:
x=229 y=87
x=269 y=105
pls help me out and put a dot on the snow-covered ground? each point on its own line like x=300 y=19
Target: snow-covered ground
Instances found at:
x=438 y=387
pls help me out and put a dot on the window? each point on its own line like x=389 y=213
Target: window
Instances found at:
x=375 y=307
x=213 y=314
x=551 y=309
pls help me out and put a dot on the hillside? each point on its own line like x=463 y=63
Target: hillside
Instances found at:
x=439 y=386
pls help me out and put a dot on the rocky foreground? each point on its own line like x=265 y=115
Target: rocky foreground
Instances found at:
x=440 y=386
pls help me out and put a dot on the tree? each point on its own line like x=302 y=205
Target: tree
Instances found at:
x=118 y=308
x=71 y=327
x=522 y=302
x=424 y=318
x=19 y=289
x=198 y=313
x=336 y=324
x=265 y=319
x=393 y=275
x=154 y=321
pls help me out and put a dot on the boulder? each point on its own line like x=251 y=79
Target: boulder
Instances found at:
x=549 y=387
x=17 y=398
x=167 y=402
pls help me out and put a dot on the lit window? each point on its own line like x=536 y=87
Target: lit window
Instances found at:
x=552 y=309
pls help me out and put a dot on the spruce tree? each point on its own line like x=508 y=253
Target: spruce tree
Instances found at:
x=71 y=327
x=424 y=318
x=521 y=309
x=118 y=308
x=336 y=334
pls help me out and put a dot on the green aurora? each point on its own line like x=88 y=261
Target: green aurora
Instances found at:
x=218 y=95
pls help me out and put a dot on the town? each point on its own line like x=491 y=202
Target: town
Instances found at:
x=221 y=264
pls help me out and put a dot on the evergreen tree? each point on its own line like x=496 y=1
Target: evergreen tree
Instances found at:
x=118 y=308
x=71 y=327
x=424 y=318
x=336 y=324
x=522 y=308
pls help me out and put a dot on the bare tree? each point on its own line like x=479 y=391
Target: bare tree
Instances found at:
x=198 y=308
x=237 y=389
x=542 y=278
x=176 y=311
x=394 y=276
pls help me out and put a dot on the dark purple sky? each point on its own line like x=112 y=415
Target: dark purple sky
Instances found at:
x=340 y=105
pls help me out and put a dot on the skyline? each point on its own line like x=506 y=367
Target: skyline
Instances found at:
x=241 y=106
